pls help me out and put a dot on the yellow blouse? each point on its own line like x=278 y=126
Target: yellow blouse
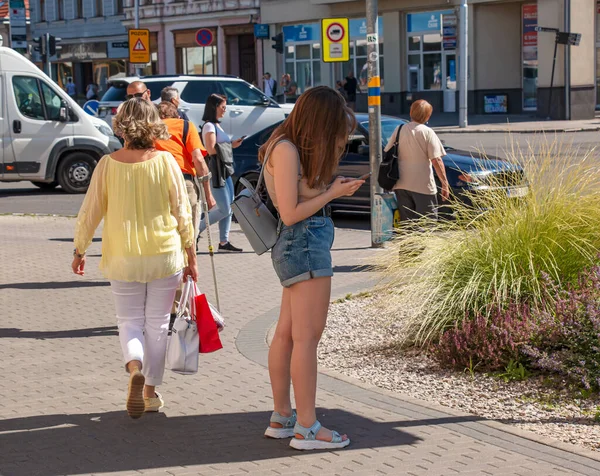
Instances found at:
x=147 y=218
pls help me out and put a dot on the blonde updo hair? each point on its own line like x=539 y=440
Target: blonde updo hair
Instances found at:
x=139 y=124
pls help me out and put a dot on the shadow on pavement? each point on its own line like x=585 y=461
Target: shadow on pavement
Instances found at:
x=13 y=333
x=55 y=285
x=29 y=192
x=110 y=442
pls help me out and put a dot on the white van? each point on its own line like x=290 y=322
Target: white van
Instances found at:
x=45 y=136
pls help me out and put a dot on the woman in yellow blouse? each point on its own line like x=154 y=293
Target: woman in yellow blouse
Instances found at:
x=147 y=244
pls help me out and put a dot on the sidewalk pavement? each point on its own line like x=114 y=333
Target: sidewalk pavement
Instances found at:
x=63 y=385
x=447 y=123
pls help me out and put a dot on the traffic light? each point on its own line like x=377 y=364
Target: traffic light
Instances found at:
x=53 y=47
x=278 y=45
x=40 y=45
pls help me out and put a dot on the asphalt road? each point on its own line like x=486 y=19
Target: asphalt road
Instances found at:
x=23 y=197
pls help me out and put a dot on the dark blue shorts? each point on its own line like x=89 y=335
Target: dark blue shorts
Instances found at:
x=303 y=251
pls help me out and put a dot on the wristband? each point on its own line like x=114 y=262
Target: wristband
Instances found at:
x=78 y=255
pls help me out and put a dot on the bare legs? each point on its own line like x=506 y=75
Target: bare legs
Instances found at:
x=293 y=353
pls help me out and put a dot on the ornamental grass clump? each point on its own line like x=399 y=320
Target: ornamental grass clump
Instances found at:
x=496 y=252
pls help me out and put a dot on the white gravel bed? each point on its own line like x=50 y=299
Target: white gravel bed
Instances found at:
x=358 y=342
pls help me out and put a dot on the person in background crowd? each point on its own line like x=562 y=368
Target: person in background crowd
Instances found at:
x=339 y=87
x=300 y=160
x=351 y=86
x=71 y=88
x=91 y=92
x=187 y=150
x=144 y=189
x=212 y=133
x=171 y=94
x=138 y=89
x=284 y=84
x=270 y=86
x=419 y=149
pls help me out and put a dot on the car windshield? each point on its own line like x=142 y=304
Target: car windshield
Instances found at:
x=116 y=93
x=388 y=126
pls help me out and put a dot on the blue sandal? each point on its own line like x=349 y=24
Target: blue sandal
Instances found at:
x=310 y=442
x=287 y=426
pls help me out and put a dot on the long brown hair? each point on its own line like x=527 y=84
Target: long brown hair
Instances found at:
x=319 y=126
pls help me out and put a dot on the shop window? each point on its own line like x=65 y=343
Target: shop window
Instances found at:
x=530 y=56
x=197 y=92
x=197 y=60
x=303 y=64
x=432 y=41
x=359 y=63
x=99 y=8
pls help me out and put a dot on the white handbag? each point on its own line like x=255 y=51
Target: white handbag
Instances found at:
x=183 y=345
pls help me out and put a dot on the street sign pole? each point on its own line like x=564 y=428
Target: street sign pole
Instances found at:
x=463 y=94
x=552 y=78
x=375 y=142
x=138 y=69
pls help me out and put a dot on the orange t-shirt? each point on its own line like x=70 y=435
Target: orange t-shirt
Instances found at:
x=181 y=152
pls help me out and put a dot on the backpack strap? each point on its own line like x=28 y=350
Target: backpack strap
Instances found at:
x=186 y=130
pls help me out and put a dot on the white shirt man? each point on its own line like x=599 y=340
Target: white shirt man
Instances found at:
x=270 y=86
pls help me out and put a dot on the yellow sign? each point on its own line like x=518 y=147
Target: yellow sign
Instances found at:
x=139 y=46
x=335 y=39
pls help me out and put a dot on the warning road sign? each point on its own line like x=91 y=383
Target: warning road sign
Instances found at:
x=139 y=46
x=335 y=38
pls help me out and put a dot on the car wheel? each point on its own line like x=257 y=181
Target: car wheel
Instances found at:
x=45 y=185
x=75 y=172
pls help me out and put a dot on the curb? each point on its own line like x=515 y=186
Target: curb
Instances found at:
x=253 y=342
x=513 y=131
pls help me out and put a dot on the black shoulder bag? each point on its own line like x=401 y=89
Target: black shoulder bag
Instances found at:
x=221 y=163
x=389 y=169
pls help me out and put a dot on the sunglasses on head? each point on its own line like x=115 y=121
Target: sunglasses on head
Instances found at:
x=136 y=95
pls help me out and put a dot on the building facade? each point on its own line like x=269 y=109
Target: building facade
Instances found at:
x=201 y=37
x=94 y=39
x=5 y=30
x=509 y=61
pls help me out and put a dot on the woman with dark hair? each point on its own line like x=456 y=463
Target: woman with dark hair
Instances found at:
x=147 y=244
x=300 y=161
x=213 y=134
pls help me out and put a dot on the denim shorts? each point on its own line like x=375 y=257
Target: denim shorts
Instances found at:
x=303 y=251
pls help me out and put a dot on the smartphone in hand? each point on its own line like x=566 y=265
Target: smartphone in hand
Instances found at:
x=364 y=177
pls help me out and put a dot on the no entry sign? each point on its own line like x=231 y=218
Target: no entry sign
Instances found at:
x=204 y=37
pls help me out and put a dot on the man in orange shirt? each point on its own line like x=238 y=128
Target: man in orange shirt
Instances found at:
x=186 y=147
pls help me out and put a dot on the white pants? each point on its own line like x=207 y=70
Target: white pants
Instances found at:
x=143 y=312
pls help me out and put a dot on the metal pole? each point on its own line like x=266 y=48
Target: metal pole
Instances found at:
x=552 y=78
x=567 y=62
x=47 y=63
x=138 y=69
x=375 y=141
x=464 y=66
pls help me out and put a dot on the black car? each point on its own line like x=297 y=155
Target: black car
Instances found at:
x=466 y=173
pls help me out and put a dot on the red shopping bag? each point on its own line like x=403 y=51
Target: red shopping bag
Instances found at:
x=207 y=327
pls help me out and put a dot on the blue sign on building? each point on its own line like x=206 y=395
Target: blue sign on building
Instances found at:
x=295 y=33
x=261 y=31
x=358 y=28
x=91 y=107
x=425 y=22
